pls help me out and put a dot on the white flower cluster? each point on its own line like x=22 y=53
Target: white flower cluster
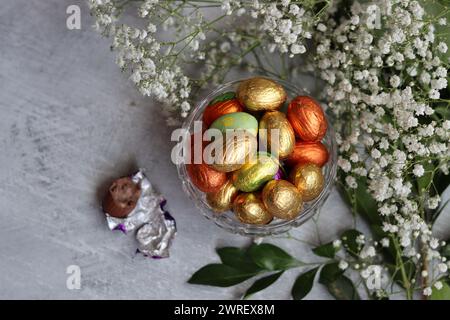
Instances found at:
x=283 y=25
x=382 y=88
x=153 y=63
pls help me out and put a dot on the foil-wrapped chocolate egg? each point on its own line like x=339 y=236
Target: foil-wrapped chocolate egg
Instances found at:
x=205 y=178
x=223 y=97
x=308 y=179
x=261 y=94
x=121 y=199
x=275 y=126
x=307 y=118
x=282 y=199
x=308 y=152
x=249 y=208
x=252 y=176
x=236 y=121
x=222 y=200
x=231 y=152
x=218 y=109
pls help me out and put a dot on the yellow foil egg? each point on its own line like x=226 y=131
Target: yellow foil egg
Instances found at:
x=252 y=175
x=249 y=208
x=261 y=94
x=231 y=152
x=282 y=199
x=276 y=131
x=222 y=200
x=308 y=179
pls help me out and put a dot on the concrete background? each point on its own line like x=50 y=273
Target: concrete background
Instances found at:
x=70 y=122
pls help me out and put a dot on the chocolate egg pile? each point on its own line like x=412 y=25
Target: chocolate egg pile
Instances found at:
x=253 y=180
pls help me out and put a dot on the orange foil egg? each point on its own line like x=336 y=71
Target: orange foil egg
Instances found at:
x=218 y=109
x=307 y=118
x=205 y=178
x=308 y=152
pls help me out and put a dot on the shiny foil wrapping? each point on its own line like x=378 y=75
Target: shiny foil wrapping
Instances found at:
x=249 y=208
x=252 y=176
x=205 y=178
x=308 y=179
x=236 y=121
x=282 y=199
x=158 y=227
x=260 y=94
x=307 y=118
x=308 y=152
x=147 y=203
x=155 y=237
x=220 y=108
x=275 y=126
x=235 y=151
x=222 y=200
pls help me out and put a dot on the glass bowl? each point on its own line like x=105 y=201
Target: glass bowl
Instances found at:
x=227 y=220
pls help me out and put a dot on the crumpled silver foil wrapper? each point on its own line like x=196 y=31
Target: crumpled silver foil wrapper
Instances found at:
x=155 y=237
x=155 y=227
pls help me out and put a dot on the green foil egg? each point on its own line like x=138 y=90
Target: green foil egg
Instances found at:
x=236 y=120
x=223 y=97
x=253 y=175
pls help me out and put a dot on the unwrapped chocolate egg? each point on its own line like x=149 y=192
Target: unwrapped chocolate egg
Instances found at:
x=252 y=176
x=307 y=118
x=282 y=199
x=249 y=208
x=222 y=200
x=261 y=94
x=308 y=152
x=308 y=179
x=231 y=151
x=121 y=199
x=218 y=109
x=236 y=120
x=205 y=178
x=275 y=126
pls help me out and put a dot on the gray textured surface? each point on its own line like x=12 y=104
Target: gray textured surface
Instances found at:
x=70 y=122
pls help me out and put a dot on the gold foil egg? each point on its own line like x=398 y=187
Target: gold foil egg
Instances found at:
x=252 y=175
x=308 y=179
x=249 y=208
x=260 y=94
x=231 y=151
x=282 y=199
x=275 y=126
x=222 y=200
x=307 y=118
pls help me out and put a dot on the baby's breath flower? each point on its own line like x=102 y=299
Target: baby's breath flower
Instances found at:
x=343 y=264
x=427 y=291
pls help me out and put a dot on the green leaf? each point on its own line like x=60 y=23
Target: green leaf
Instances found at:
x=349 y=241
x=343 y=289
x=329 y=273
x=270 y=257
x=237 y=258
x=326 y=250
x=443 y=293
x=303 y=284
x=365 y=204
x=262 y=283
x=220 y=275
